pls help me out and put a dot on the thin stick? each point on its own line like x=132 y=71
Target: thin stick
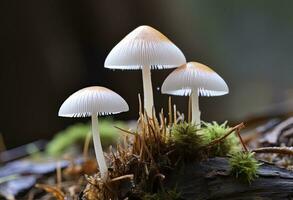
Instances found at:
x=52 y=189
x=240 y=138
x=279 y=150
x=142 y=123
x=189 y=109
x=141 y=150
x=175 y=114
x=154 y=117
x=129 y=176
x=162 y=118
x=170 y=111
x=155 y=122
x=139 y=104
x=59 y=175
x=148 y=152
x=123 y=130
x=180 y=117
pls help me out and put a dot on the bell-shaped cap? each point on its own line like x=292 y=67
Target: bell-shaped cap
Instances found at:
x=93 y=100
x=144 y=46
x=194 y=76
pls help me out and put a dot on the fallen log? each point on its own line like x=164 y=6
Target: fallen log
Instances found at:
x=211 y=179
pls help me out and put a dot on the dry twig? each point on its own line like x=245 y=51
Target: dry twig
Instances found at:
x=278 y=150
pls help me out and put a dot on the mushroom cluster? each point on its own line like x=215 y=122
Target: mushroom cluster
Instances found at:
x=144 y=48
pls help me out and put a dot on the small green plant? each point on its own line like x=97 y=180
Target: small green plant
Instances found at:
x=244 y=166
x=213 y=131
x=186 y=139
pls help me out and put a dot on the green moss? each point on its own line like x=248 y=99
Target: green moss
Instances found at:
x=213 y=131
x=244 y=166
x=186 y=139
x=77 y=134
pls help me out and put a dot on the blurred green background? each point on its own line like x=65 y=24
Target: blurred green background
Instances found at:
x=50 y=49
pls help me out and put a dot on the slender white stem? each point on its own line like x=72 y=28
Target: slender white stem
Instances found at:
x=147 y=90
x=195 y=108
x=98 y=148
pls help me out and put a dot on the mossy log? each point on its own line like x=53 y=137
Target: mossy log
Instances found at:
x=211 y=179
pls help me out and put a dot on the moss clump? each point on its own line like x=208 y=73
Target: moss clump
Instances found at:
x=213 y=131
x=244 y=166
x=186 y=139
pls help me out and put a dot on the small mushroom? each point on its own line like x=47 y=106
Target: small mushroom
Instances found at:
x=94 y=101
x=145 y=48
x=194 y=79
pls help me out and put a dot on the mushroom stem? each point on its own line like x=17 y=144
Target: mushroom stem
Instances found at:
x=195 y=108
x=98 y=148
x=147 y=89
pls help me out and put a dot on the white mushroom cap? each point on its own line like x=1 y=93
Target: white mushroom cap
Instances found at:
x=93 y=100
x=194 y=76
x=144 y=46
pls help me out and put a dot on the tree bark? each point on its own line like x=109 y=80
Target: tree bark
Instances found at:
x=210 y=179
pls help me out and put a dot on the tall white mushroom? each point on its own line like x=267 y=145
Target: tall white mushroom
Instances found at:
x=145 y=48
x=194 y=79
x=94 y=101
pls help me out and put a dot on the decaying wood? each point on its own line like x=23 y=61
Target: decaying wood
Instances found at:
x=210 y=179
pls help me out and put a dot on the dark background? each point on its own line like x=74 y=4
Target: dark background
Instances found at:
x=50 y=49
